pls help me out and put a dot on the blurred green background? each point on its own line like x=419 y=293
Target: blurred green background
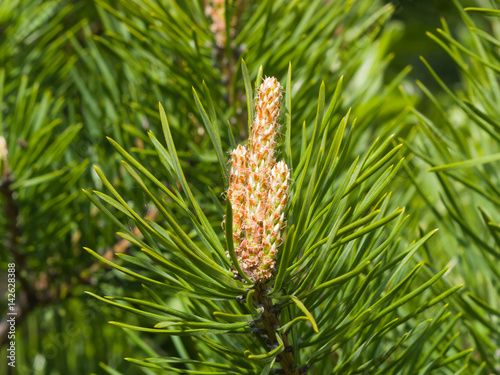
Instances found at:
x=74 y=72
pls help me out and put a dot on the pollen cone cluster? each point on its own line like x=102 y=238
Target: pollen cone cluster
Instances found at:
x=258 y=189
x=216 y=10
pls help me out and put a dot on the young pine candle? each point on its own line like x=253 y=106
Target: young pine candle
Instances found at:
x=259 y=189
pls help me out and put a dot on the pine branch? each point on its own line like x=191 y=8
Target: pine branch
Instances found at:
x=32 y=297
x=271 y=322
x=12 y=214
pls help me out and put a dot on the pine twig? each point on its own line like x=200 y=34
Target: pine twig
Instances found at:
x=271 y=322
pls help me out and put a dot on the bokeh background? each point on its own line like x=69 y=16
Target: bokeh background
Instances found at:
x=74 y=72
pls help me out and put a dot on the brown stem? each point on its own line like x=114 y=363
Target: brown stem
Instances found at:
x=27 y=298
x=12 y=214
x=33 y=295
x=271 y=321
x=228 y=58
